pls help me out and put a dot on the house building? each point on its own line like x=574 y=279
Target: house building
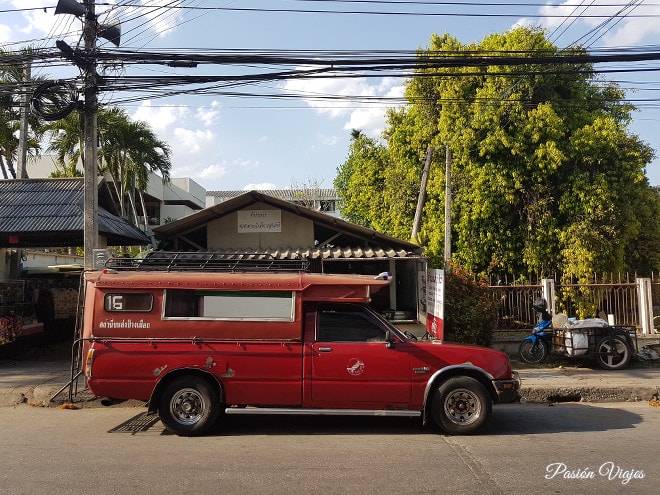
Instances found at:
x=257 y=225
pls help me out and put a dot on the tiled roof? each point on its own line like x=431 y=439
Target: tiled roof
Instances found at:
x=334 y=234
x=325 y=253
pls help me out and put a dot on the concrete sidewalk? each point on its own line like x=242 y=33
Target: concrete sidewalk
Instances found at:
x=35 y=378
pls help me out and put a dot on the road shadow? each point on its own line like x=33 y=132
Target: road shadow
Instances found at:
x=507 y=419
x=318 y=425
x=534 y=419
x=229 y=425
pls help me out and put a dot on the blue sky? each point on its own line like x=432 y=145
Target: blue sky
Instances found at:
x=227 y=143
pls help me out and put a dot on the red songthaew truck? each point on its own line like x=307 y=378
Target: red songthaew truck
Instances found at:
x=197 y=340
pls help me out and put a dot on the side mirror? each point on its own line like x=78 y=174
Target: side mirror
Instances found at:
x=389 y=339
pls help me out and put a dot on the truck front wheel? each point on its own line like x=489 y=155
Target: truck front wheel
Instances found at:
x=189 y=406
x=461 y=405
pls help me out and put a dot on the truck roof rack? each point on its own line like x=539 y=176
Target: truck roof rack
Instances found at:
x=208 y=262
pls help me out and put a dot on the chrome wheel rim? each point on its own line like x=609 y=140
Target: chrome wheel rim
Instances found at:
x=187 y=406
x=463 y=407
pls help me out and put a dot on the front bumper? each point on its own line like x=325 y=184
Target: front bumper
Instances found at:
x=507 y=390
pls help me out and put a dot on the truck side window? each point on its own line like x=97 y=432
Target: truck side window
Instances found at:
x=181 y=303
x=348 y=323
x=236 y=305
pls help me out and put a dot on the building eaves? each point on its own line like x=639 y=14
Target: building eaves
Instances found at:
x=49 y=212
x=356 y=233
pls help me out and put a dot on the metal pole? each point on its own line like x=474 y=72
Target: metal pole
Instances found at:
x=422 y=194
x=447 y=204
x=23 y=136
x=90 y=162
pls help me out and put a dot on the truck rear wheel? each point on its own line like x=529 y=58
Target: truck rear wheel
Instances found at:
x=189 y=406
x=461 y=405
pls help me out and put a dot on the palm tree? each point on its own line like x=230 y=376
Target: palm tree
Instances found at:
x=12 y=85
x=128 y=152
x=66 y=141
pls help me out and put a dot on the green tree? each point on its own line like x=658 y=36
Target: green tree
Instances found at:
x=66 y=141
x=13 y=86
x=360 y=180
x=128 y=152
x=546 y=177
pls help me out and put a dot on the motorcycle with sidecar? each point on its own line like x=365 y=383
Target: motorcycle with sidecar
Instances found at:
x=612 y=346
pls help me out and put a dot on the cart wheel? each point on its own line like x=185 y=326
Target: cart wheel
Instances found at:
x=613 y=353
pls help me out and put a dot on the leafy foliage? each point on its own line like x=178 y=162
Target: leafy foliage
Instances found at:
x=12 y=87
x=545 y=175
x=470 y=312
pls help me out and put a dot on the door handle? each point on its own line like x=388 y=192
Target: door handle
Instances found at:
x=325 y=349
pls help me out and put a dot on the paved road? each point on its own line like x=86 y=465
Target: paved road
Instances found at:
x=119 y=450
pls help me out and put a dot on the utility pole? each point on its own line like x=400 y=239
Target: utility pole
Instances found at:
x=422 y=194
x=447 y=205
x=91 y=30
x=90 y=161
x=23 y=136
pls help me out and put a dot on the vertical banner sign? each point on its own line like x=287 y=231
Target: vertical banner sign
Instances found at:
x=435 y=307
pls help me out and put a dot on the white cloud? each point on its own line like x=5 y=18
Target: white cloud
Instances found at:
x=635 y=31
x=212 y=172
x=163 y=15
x=590 y=24
x=329 y=140
x=357 y=99
x=38 y=21
x=199 y=171
x=159 y=118
x=5 y=34
x=191 y=141
x=209 y=115
x=264 y=186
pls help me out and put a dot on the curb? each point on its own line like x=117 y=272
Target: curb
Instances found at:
x=587 y=394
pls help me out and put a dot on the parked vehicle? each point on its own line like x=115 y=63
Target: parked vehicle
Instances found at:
x=536 y=347
x=204 y=339
x=612 y=346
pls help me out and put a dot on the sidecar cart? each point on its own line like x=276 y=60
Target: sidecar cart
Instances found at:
x=612 y=346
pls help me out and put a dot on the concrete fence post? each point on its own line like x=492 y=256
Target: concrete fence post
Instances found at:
x=645 y=305
x=548 y=289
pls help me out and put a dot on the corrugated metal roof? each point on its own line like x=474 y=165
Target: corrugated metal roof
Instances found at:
x=286 y=194
x=49 y=212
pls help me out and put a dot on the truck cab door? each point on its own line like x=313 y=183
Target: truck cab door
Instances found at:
x=353 y=365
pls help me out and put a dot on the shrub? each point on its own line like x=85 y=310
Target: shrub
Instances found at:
x=470 y=313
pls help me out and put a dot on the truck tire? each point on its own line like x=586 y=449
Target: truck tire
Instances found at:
x=189 y=406
x=461 y=405
x=613 y=353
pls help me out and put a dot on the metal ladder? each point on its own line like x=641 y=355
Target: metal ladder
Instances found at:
x=76 y=346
